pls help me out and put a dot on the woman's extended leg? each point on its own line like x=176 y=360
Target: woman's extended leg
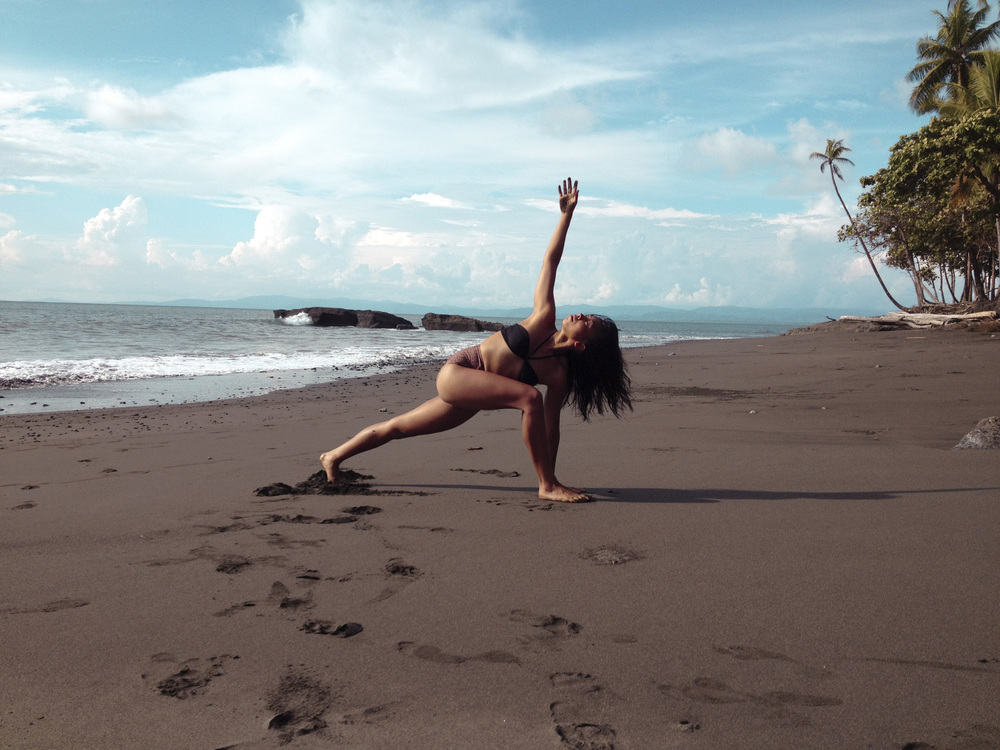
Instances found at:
x=478 y=390
x=431 y=416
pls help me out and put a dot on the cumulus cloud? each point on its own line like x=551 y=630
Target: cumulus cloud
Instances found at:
x=113 y=233
x=158 y=253
x=705 y=295
x=856 y=268
x=11 y=245
x=466 y=109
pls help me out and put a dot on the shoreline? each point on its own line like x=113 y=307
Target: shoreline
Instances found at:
x=193 y=370
x=783 y=551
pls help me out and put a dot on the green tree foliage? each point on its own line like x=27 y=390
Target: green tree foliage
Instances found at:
x=934 y=209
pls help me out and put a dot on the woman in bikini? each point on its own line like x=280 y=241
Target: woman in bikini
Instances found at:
x=580 y=363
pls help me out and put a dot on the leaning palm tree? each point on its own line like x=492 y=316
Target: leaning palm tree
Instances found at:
x=833 y=157
x=950 y=56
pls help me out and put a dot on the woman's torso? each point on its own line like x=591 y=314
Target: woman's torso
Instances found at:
x=498 y=357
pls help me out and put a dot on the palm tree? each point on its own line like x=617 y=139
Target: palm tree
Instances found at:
x=949 y=57
x=833 y=157
x=981 y=92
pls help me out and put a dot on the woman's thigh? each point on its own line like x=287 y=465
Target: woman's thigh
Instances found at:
x=466 y=388
x=430 y=417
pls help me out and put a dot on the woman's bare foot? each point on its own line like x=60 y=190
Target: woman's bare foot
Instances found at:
x=330 y=465
x=560 y=494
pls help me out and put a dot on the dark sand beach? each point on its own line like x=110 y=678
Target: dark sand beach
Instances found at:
x=783 y=551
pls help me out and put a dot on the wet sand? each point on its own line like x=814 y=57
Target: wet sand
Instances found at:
x=783 y=551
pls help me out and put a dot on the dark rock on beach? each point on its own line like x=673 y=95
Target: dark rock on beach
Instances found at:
x=437 y=322
x=985 y=436
x=338 y=316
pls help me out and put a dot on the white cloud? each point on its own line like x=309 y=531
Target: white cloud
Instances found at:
x=735 y=151
x=159 y=254
x=449 y=56
x=11 y=246
x=113 y=233
x=287 y=244
x=116 y=107
x=618 y=210
x=857 y=268
x=437 y=201
x=365 y=102
x=706 y=295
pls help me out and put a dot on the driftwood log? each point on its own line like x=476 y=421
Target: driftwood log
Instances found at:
x=919 y=320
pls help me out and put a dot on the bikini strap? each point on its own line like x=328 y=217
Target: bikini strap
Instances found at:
x=540 y=345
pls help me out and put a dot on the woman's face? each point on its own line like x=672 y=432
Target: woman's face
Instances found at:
x=581 y=327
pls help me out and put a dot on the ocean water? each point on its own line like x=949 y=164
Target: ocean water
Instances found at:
x=64 y=356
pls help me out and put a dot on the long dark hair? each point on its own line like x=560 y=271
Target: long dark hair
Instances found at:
x=597 y=379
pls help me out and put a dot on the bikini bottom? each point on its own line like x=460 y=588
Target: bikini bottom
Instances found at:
x=471 y=358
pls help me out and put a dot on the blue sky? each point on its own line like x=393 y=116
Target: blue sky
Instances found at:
x=411 y=150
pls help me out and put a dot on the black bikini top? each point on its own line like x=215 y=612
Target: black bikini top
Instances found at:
x=518 y=340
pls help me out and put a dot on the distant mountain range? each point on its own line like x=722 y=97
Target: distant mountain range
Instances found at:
x=722 y=314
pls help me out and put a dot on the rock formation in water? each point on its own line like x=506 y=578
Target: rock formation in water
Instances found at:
x=437 y=322
x=338 y=316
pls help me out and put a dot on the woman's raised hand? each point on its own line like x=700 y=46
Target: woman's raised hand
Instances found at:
x=569 y=191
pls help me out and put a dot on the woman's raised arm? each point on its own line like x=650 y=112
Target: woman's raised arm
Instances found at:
x=545 y=304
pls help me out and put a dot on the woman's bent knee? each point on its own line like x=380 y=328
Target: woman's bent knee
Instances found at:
x=533 y=402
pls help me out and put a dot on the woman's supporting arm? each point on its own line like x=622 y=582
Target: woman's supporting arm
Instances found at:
x=554 y=397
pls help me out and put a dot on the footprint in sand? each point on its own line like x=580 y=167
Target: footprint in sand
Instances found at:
x=299 y=703
x=362 y=510
x=749 y=653
x=190 y=679
x=282 y=542
x=56 y=606
x=243 y=524
x=282 y=597
x=753 y=653
x=232 y=564
x=581 y=704
x=325 y=627
x=399 y=570
x=229 y=611
x=710 y=690
x=552 y=624
x=350 y=483
x=396 y=567
x=611 y=554
x=370 y=715
x=436 y=655
x=493 y=473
